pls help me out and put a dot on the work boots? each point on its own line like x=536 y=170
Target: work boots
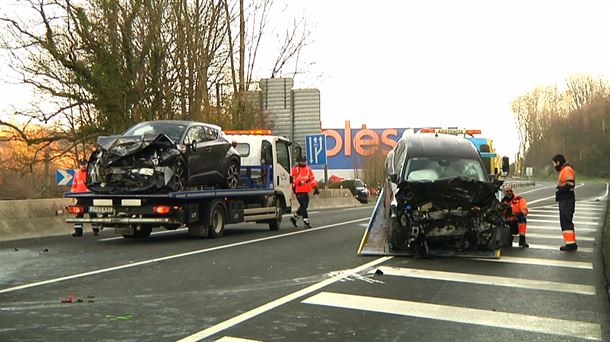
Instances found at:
x=307 y=224
x=570 y=247
x=77 y=232
x=293 y=219
x=522 y=242
x=96 y=231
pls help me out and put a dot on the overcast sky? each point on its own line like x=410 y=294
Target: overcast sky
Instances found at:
x=447 y=63
x=437 y=62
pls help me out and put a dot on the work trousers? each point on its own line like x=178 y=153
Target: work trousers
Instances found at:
x=303 y=198
x=566 y=214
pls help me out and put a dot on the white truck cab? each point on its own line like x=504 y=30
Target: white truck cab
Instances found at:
x=266 y=160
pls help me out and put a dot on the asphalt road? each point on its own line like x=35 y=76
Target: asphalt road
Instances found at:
x=306 y=285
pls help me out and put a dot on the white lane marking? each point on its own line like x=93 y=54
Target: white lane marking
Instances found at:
x=235 y=339
x=550 y=197
x=153 y=233
x=558 y=230
x=545 y=325
x=358 y=208
x=557 y=222
x=578 y=209
x=530 y=215
x=174 y=256
x=536 y=189
x=280 y=301
x=605 y=195
x=488 y=280
x=542 y=262
x=559 y=236
x=554 y=247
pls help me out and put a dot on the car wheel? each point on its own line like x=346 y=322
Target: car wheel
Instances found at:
x=179 y=183
x=232 y=175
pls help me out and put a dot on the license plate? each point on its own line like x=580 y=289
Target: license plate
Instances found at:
x=101 y=210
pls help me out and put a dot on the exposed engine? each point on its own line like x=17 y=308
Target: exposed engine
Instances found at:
x=138 y=164
x=454 y=213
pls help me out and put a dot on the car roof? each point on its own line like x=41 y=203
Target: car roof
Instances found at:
x=439 y=145
x=182 y=122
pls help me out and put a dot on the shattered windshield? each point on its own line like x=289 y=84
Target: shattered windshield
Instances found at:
x=172 y=130
x=431 y=169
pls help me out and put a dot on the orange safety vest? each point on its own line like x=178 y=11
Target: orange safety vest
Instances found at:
x=79 y=183
x=566 y=183
x=303 y=174
x=519 y=205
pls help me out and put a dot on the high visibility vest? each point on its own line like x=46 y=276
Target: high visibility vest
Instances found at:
x=79 y=183
x=303 y=174
x=566 y=183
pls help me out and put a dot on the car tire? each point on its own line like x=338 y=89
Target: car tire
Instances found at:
x=231 y=175
x=179 y=178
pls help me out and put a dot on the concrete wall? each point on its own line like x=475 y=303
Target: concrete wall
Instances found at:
x=22 y=219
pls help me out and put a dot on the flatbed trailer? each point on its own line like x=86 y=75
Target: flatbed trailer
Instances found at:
x=204 y=212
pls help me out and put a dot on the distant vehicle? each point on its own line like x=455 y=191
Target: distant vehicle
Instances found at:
x=355 y=186
x=164 y=156
x=438 y=200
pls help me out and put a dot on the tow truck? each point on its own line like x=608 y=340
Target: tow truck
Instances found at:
x=263 y=195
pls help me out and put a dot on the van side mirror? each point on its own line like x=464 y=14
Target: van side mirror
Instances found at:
x=505 y=166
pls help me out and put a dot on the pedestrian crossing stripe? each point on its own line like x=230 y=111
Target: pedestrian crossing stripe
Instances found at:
x=487 y=280
x=541 y=262
x=558 y=229
x=554 y=247
x=558 y=236
x=557 y=222
x=497 y=319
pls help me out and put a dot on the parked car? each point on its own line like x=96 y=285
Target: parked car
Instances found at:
x=355 y=186
x=163 y=156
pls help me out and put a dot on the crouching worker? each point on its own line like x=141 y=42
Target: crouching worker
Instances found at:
x=79 y=184
x=516 y=214
x=303 y=182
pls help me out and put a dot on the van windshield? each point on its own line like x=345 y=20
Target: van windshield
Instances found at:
x=431 y=169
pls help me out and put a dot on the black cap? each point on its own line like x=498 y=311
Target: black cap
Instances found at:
x=302 y=158
x=82 y=162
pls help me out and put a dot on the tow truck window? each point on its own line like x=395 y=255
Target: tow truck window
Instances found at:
x=283 y=157
x=243 y=149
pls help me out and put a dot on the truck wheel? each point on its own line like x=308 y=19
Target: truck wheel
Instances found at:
x=279 y=212
x=217 y=219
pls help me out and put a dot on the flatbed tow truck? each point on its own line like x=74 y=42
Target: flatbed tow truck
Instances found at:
x=263 y=196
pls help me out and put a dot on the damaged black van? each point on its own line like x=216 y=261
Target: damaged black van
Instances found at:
x=438 y=199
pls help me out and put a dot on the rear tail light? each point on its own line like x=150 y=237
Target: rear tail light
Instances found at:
x=161 y=209
x=75 y=209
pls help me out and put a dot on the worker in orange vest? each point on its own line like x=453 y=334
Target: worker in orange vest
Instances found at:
x=303 y=181
x=516 y=212
x=79 y=184
x=564 y=194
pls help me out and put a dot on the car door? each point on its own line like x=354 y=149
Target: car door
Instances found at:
x=195 y=152
x=215 y=156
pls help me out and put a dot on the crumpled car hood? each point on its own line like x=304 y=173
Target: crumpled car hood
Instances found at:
x=133 y=164
x=460 y=191
x=126 y=145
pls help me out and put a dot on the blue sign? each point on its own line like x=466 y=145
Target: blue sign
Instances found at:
x=316 y=149
x=64 y=177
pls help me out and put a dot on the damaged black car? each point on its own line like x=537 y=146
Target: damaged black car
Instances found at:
x=442 y=198
x=163 y=156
